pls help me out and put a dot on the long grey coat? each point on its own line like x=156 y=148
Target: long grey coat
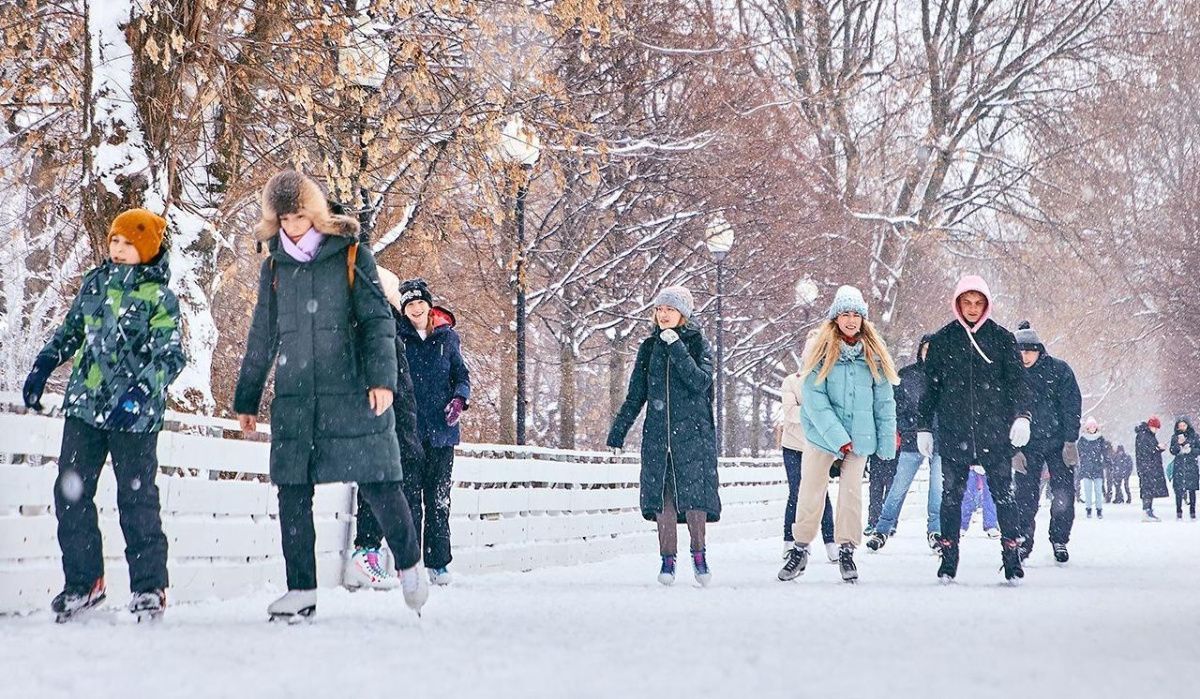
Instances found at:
x=328 y=343
x=675 y=382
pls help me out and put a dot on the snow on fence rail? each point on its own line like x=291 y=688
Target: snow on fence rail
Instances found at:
x=514 y=508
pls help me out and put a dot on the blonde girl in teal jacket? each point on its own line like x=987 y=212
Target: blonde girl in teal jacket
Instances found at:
x=848 y=414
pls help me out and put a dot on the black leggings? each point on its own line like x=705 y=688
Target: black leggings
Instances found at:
x=1188 y=496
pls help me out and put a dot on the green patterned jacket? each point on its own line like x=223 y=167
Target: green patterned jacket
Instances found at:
x=123 y=332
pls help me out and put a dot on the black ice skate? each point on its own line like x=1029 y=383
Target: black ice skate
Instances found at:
x=1060 y=553
x=795 y=564
x=148 y=606
x=74 y=601
x=1010 y=555
x=947 y=571
x=877 y=541
x=846 y=563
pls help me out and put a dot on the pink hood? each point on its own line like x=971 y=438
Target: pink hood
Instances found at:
x=972 y=282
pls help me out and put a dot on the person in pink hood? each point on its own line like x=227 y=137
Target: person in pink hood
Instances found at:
x=976 y=395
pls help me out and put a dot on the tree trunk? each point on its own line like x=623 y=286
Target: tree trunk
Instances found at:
x=566 y=395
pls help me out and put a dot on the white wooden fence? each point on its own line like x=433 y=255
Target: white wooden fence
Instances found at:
x=512 y=509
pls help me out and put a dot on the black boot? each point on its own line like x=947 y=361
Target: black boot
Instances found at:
x=76 y=600
x=846 y=563
x=1060 y=553
x=877 y=541
x=796 y=563
x=1010 y=555
x=948 y=569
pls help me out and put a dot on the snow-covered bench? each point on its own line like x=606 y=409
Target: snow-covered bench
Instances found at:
x=513 y=508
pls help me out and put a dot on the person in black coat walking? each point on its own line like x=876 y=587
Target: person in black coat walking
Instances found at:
x=332 y=418
x=442 y=383
x=1056 y=407
x=1152 y=482
x=1122 y=469
x=1185 y=478
x=976 y=391
x=673 y=376
x=366 y=568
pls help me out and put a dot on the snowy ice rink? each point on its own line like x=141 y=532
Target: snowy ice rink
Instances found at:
x=1122 y=620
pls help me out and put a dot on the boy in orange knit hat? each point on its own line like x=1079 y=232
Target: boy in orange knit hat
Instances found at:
x=122 y=335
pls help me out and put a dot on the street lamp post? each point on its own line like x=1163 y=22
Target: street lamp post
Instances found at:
x=364 y=59
x=719 y=239
x=520 y=146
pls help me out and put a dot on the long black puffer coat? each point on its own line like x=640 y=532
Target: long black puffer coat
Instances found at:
x=1152 y=482
x=1186 y=472
x=329 y=342
x=675 y=383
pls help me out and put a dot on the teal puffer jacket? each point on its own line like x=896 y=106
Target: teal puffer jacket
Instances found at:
x=849 y=406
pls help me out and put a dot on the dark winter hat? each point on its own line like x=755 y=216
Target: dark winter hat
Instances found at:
x=290 y=192
x=677 y=297
x=1027 y=338
x=414 y=290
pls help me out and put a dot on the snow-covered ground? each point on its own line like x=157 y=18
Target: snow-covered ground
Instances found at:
x=1120 y=621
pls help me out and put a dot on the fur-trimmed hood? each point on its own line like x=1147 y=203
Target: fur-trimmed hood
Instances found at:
x=290 y=192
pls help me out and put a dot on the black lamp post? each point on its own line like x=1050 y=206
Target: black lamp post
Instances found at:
x=719 y=239
x=520 y=146
x=364 y=59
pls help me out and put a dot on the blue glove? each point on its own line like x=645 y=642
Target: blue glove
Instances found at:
x=35 y=384
x=130 y=407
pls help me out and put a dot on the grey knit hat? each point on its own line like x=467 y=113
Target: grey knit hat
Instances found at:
x=1027 y=338
x=847 y=300
x=677 y=297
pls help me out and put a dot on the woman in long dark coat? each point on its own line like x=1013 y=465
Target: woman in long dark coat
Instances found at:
x=673 y=375
x=322 y=322
x=1185 y=478
x=1152 y=482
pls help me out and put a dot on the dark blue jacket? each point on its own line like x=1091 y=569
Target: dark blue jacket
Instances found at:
x=438 y=374
x=1055 y=404
x=1093 y=457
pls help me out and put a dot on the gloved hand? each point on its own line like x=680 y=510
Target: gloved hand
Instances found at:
x=35 y=383
x=668 y=336
x=847 y=448
x=1019 y=464
x=131 y=406
x=454 y=410
x=1186 y=449
x=1019 y=434
x=1070 y=453
x=979 y=469
x=925 y=444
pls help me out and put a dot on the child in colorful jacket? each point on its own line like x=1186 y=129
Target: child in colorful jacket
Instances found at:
x=122 y=335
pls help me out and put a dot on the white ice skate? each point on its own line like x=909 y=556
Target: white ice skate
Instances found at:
x=415 y=587
x=992 y=533
x=366 y=569
x=295 y=607
x=440 y=576
x=831 y=550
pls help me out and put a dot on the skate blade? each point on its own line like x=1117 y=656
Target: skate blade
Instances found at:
x=81 y=614
x=852 y=581
x=148 y=617
x=946 y=580
x=304 y=616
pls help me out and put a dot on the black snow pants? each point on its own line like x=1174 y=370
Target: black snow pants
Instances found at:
x=135 y=463
x=300 y=535
x=1000 y=480
x=1062 y=489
